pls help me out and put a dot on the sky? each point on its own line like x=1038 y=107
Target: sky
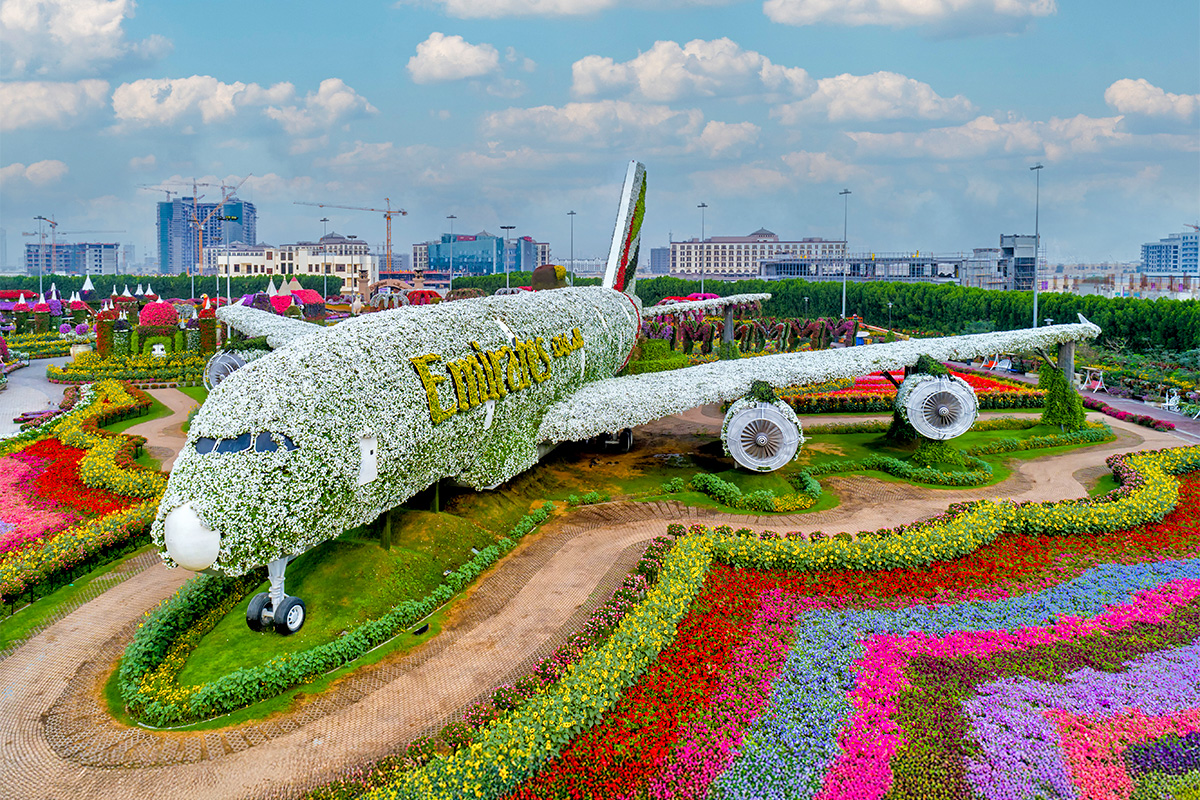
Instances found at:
x=514 y=112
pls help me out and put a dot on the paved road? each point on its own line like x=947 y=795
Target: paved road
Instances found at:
x=28 y=390
x=56 y=742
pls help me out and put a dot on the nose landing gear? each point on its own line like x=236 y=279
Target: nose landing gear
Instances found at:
x=274 y=609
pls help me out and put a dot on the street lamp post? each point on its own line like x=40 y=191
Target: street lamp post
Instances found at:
x=845 y=193
x=41 y=249
x=571 y=274
x=506 y=229
x=1037 y=235
x=703 y=251
x=450 y=287
x=889 y=315
x=324 y=257
x=806 y=308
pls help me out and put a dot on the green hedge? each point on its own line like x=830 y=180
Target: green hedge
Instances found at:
x=249 y=685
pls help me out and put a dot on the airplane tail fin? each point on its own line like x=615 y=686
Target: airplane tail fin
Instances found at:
x=620 y=272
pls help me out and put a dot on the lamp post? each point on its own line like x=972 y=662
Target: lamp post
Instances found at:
x=450 y=287
x=571 y=273
x=506 y=229
x=889 y=315
x=806 y=308
x=703 y=251
x=1037 y=235
x=324 y=257
x=845 y=193
x=41 y=249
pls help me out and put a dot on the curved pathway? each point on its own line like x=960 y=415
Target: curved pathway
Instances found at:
x=165 y=436
x=28 y=390
x=56 y=741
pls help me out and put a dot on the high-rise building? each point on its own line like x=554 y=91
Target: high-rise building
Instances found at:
x=82 y=258
x=178 y=239
x=1178 y=254
x=733 y=257
x=660 y=260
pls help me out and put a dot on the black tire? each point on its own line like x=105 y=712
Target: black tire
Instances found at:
x=625 y=440
x=254 y=612
x=290 y=616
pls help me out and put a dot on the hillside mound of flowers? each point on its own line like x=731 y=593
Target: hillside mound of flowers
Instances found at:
x=876 y=393
x=70 y=493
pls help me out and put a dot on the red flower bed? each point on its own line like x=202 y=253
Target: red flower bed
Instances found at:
x=59 y=480
x=876 y=383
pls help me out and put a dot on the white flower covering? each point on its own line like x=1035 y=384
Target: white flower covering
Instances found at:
x=327 y=390
x=254 y=323
x=749 y=402
x=637 y=399
x=711 y=304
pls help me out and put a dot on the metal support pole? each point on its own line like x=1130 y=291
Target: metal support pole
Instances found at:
x=450 y=288
x=703 y=251
x=506 y=229
x=1037 y=235
x=571 y=272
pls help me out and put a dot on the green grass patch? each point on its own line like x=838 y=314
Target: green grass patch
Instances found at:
x=400 y=645
x=19 y=626
x=343 y=583
x=197 y=393
x=1106 y=484
x=157 y=411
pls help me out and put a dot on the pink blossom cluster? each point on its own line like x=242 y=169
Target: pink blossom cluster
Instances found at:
x=28 y=519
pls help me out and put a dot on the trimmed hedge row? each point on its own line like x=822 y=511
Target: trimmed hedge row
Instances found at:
x=1094 y=432
x=249 y=685
x=1147 y=494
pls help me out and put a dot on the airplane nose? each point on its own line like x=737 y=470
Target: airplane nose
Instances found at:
x=190 y=543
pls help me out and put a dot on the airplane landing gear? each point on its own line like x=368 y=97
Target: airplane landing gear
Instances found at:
x=619 y=442
x=274 y=609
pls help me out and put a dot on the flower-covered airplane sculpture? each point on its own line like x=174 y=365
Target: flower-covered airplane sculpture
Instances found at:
x=340 y=424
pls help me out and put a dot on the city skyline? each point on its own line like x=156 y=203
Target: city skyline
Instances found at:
x=517 y=111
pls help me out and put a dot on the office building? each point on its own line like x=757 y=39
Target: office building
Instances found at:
x=178 y=239
x=734 y=257
x=858 y=267
x=1018 y=257
x=660 y=260
x=480 y=254
x=1178 y=254
x=340 y=258
x=82 y=258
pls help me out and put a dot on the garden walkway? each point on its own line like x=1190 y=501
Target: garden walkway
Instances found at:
x=165 y=436
x=57 y=742
x=28 y=390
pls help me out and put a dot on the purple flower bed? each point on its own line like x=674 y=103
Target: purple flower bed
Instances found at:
x=1125 y=416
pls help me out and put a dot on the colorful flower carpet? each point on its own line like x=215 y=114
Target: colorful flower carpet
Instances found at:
x=1038 y=667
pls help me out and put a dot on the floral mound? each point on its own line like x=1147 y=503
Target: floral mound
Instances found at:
x=1056 y=665
x=875 y=392
x=70 y=494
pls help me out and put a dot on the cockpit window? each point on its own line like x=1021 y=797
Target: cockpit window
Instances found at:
x=235 y=445
x=262 y=442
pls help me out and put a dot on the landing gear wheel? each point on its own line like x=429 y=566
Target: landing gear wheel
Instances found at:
x=290 y=616
x=625 y=440
x=254 y=612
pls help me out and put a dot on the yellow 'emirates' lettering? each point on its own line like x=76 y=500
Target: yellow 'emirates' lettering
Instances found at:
x=491 y=374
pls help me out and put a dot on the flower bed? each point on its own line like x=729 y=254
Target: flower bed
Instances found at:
x=990 y=676
x=46 y=345
x=184 y=367
x=68 y=464
x=1139 y=419
x=875 y=393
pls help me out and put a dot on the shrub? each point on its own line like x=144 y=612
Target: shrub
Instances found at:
x=1064 y=407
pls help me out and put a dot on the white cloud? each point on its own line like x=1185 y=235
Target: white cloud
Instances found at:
x=520 y=8
x=162 y=101
x=984 y=136
x=333 y=102
x=820 y=167
x=880 y=95
x=29 y=104
x=725 y=138
x=166 y=101
x=40 y=173
x=362 y=154
x=451 y=58
x=963 y=15
x=46 y=37
x=143 y=162
x=608 y=122
x=668 y=72
x=1139 y=96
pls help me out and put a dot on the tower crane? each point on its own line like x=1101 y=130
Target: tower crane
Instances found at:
x=1193 y=227
x=388 y=213
x=150 y=188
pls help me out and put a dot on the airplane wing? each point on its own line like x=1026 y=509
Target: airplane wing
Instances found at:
x=625 y=402
x=701 y=305
x=254 y=322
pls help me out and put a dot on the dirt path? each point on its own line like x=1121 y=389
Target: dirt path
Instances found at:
x=165 y=436
x=57 y=742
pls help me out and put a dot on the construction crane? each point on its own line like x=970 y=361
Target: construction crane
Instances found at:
x=200 y=223
x=1193 y=227
x=388 y=213
x=150 y=188
x=69 y=233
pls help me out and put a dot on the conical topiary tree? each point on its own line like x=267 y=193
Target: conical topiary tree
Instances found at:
x=1064 y=406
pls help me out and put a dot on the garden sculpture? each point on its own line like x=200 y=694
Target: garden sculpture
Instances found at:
x=340 y=424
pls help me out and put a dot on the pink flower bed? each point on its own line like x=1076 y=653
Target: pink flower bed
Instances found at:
x=27 y=520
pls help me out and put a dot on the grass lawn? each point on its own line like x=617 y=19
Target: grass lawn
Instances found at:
x=18 y=627
x=197 y=393
x=157 y=411
x=1106 y=484
x=343 y=583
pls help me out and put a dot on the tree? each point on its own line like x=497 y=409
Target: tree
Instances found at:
x=1064 y=406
